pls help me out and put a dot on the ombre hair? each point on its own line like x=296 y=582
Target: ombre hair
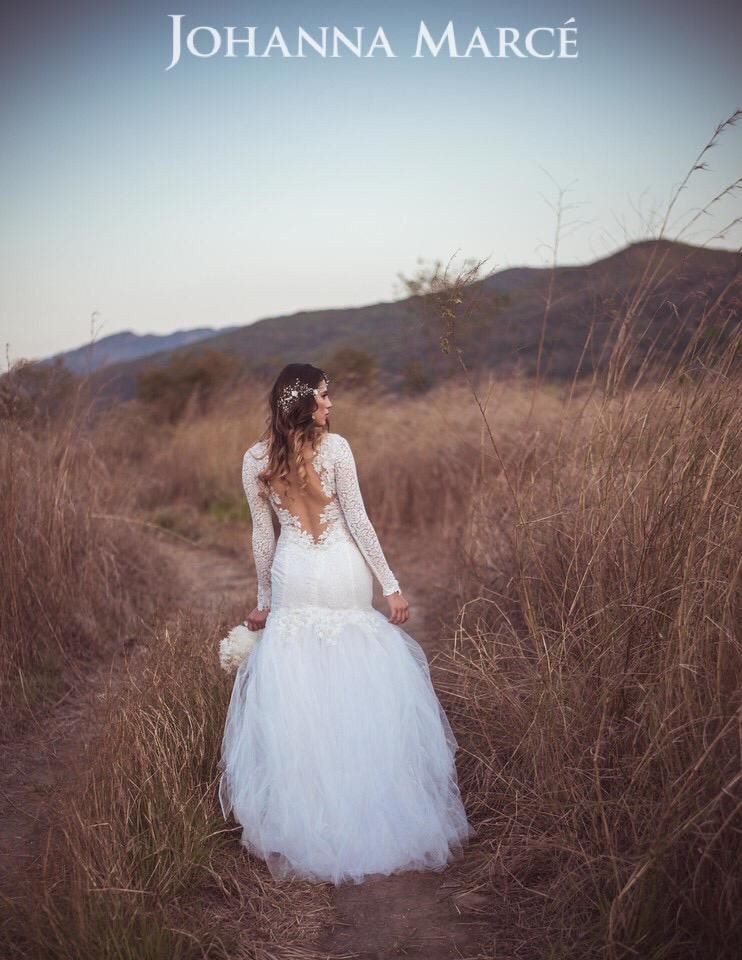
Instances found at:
x=290 y=430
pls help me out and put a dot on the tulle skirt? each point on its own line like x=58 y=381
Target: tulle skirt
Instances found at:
x=337 y=757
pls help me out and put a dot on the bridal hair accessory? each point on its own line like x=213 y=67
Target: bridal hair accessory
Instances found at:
x=292 y=391
x=237 y=644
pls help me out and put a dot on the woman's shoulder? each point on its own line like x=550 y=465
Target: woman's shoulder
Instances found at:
x=337 y=439
x=336 y=442
x=333 y=442
x=258 y=451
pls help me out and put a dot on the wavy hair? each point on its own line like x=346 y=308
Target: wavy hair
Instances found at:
x=288 y=432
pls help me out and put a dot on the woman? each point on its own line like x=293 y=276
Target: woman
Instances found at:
x=337 y=757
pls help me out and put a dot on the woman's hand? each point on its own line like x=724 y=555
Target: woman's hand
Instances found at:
x=256 y=619
x=399 y=608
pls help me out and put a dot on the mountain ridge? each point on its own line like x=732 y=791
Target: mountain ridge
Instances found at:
x=126 y=345
x=585 y=301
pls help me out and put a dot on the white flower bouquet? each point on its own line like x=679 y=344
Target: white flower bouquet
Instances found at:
x=237 y=644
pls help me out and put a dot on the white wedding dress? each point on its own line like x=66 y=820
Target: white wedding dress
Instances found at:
x=337 y=757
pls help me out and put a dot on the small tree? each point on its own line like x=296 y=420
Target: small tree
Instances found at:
x=187 y=382
x=32 y=392
x=352 y=367
x=415 y=378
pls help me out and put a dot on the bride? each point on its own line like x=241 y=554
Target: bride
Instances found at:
x=337 y=757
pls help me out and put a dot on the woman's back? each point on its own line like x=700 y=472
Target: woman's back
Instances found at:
x=305 y=504
x=329 y=512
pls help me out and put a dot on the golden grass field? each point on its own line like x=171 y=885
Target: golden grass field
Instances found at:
x=587 y=539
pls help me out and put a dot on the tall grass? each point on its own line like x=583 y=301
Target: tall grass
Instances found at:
x=594 y=682
x=599 y=682
x=140 y=863
x=417 y=456
x=596 y=672
x=73 y=584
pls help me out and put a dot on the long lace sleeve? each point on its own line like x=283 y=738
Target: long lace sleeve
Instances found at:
x=351 y=501
x=263 y=535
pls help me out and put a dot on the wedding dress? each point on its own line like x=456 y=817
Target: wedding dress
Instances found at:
x=337 y=757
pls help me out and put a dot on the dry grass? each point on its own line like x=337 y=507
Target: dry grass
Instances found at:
x=141 y=864
x=596 y=673
x=594 y=684
x=417 y=456
x=73 y=584
x=597 y=681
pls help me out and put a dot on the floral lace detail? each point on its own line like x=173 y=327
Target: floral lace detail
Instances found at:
x=324 y=622
x=322 y=464
x=344 y=515
x=330 y=515
x=263 y=534
x=354 y=511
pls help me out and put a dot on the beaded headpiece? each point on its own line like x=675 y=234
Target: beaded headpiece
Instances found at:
x=292 y=391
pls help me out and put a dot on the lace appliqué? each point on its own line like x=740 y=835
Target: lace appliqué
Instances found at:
x=292 y=528
x=322 y=622
x=263 y=534
x=329 y=516
x=351 y=500
x=344 y=516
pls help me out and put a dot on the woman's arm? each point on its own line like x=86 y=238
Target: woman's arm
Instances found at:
x=351 y=501
x=263 y=534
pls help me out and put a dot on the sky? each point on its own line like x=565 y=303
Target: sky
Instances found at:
x=223 y=191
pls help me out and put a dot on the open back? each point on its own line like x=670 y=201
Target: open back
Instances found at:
x=306 y=505
x=328 y=511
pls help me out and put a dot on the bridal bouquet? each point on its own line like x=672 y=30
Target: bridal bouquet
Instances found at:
x=236 y=646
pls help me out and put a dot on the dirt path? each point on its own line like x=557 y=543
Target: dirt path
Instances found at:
x=37 y=763
x=412 y=915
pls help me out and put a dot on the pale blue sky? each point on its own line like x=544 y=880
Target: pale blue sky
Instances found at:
x=224 y=191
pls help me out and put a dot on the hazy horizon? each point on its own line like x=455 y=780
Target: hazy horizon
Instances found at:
x=224 y=191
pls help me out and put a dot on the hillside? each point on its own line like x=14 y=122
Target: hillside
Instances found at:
x=506 y=338
x=127 y=346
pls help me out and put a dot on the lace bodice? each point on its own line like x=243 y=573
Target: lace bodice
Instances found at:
x=343 y=515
